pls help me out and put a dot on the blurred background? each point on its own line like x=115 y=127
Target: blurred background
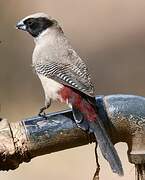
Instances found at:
x=109 y=36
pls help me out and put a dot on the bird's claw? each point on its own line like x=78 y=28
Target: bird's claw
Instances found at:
x=42 y=112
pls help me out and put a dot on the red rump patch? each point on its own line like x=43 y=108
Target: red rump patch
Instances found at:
x=65 y=93
x=74 y=98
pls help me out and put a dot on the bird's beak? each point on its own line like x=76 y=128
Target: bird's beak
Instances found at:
x=20 y=25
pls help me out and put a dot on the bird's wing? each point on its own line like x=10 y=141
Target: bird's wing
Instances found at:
x=73 y=75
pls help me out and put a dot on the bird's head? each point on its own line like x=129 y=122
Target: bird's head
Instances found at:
x=37 y=23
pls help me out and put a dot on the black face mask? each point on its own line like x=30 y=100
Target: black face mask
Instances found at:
x=36 y=25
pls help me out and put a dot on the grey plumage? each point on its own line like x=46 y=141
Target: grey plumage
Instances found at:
x=67 y=74
x=59 y=67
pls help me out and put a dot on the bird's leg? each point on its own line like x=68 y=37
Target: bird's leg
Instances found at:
x=96 y=175
x=42 y=110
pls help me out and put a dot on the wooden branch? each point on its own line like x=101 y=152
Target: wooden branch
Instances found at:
x=123 y=117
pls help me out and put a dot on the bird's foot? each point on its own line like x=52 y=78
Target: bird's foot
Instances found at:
x=42 y=112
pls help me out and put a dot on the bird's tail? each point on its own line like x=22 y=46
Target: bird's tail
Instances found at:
x=107 y=148
x=83 y=115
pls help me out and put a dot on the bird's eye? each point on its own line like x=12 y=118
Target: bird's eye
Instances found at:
x=30 y=23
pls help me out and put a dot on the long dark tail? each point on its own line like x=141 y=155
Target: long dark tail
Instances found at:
x=107 y=148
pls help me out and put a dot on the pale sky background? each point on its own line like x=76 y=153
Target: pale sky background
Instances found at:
x=109 y=36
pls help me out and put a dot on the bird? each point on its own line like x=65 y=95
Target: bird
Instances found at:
x=65 y=78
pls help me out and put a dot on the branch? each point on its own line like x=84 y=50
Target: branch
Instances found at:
x=122 y=115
